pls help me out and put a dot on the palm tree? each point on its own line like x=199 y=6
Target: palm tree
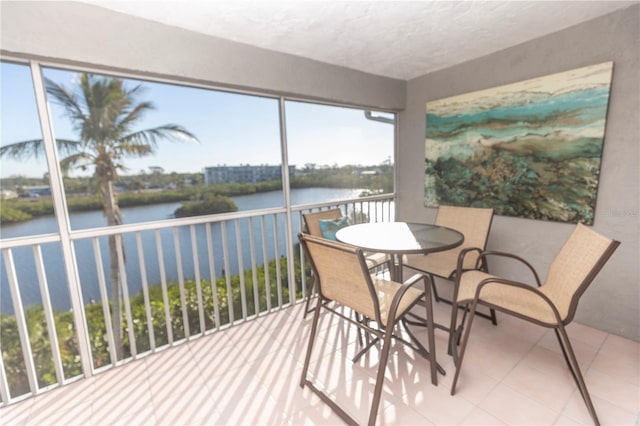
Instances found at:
x=104 y=111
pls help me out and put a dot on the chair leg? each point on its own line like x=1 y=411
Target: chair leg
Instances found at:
x=312 y=336
x=465 y=340
x=435 y=289
x=382 y=365
x=464 y=319
x=360 y=341
x=308 y=295
x=492 y=314
x=431 y=332
x=574 y=367
x=453 y=326
x=454 y=333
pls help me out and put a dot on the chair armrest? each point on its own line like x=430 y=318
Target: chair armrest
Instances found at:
x=400 y=294
x=463 y=253
x=514 y=257
x=522 y=286
x=410 y=282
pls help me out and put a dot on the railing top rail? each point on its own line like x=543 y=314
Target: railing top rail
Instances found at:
x=171 y=223
x=10 y=243
x=370 y=198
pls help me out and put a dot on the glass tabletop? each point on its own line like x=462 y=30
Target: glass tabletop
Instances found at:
x=400 y=237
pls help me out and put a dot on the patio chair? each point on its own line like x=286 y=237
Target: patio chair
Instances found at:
x=342 y=277
x=475 y=224
x=312 y=221
x=551 y=305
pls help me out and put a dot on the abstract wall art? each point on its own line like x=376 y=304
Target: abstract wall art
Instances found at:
x=530 y=149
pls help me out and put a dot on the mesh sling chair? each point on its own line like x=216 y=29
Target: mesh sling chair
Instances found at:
x=312 y=221
x=475 y=224
x=552 y=304
x=342 y=276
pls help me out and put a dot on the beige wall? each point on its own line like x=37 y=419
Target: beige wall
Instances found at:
x=612 y=303
x=87 y=34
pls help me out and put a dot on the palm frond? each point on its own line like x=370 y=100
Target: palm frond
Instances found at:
x=136 y=150
x=23 y=150
x=134 y=91
x=80 y=160
x=103 y=100
x=171 y=132
x=35 y=147
x=134 y=115
x=67 y=99
x=67 y=146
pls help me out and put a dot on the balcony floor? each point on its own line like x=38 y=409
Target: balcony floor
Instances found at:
x=249 y=374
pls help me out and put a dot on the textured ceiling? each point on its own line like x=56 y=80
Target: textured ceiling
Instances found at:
x=399 y=39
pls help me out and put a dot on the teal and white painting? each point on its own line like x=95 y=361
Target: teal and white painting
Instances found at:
x=529 y=149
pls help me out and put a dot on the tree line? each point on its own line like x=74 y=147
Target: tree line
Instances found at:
x=196 y=200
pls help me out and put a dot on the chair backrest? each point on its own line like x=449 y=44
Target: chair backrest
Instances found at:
x=312 y=220
x=341 y=274
x=574 y=268
x=473 y=222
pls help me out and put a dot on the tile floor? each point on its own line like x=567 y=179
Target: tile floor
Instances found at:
x=249 y=375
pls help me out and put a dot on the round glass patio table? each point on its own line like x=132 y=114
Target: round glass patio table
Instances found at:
x=400 y=238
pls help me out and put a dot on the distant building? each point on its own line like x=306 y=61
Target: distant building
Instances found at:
x=8 y=194
x=372 y=172
x=243 y=174
x=37 y=191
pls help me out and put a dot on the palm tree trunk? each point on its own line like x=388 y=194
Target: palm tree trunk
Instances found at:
x=112 y=213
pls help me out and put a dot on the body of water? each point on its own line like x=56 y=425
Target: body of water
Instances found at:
x=149 y=264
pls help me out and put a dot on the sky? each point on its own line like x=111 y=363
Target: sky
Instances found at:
x=232 y=129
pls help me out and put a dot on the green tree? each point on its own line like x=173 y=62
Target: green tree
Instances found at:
x=104 y=112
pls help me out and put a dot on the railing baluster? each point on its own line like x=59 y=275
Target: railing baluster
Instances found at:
x=277 y=257
x=227 y=273
x=21 y=321
x=243 y=292
x=375 y=210
x=165 y=293
x=125 y=295
x=303 y=278
x=4 y=383
x=212 y=273
x=183 y=298
x=196 y=270
x=106 y=312
x=254 y=272
x=48 y=313
x=145 y=292
x=267 y=281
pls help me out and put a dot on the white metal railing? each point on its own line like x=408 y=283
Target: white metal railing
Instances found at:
x=226 y=269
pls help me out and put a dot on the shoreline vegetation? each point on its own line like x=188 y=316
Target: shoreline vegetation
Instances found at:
x=68 y=341
x=196 y=198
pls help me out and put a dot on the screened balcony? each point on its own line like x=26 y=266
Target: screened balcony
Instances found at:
x=210 y=307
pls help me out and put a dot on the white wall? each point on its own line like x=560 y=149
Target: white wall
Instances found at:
x=612 y=303
x=89 y=35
